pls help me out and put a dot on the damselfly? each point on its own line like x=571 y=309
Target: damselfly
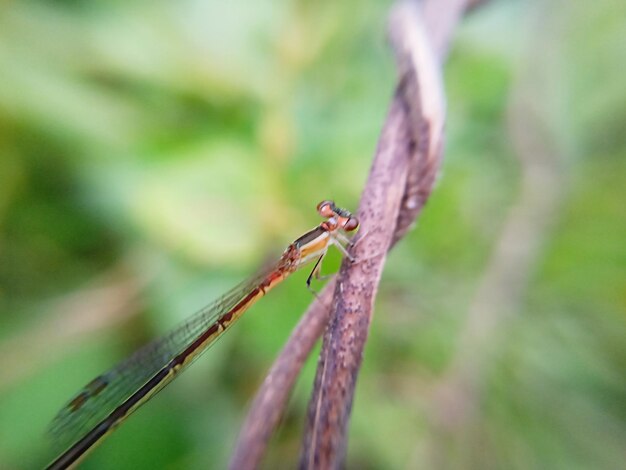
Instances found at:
x=111 y=397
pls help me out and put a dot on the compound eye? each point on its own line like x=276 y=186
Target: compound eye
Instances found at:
x=325 y=208
x=351 y=224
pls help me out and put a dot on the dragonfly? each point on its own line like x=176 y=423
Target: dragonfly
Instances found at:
x=105 y=402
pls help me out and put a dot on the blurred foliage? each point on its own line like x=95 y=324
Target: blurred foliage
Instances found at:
x=152 y=153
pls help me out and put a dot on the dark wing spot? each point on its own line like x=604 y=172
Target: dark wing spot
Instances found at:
x=78 y=401
x=97 y=385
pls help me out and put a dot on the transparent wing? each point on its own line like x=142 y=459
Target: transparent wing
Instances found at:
x=108 y=391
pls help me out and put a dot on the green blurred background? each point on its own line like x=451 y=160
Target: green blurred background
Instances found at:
x=153 y=153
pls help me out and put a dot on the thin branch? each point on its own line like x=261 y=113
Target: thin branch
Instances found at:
x=408 y=157
x=406 y=133
x=355 y=291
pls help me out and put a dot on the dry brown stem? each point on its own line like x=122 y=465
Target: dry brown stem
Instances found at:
x=401 y=179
